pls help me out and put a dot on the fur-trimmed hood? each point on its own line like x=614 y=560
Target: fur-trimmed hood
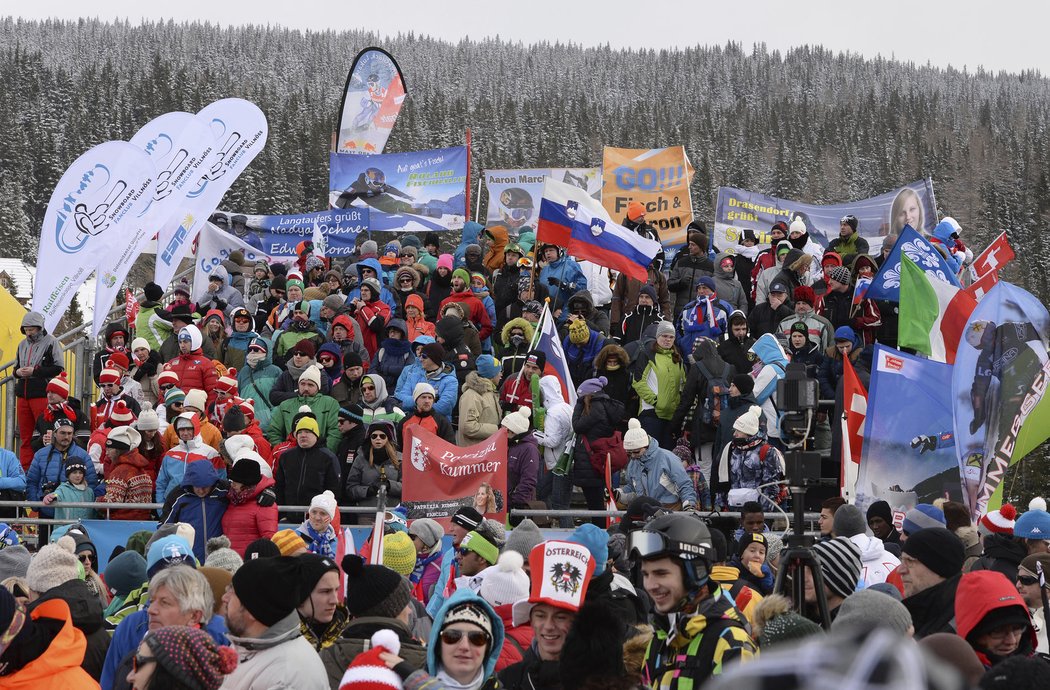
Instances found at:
x=517 y=323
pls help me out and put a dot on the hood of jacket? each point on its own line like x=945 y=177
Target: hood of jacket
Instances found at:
x=85 y=608
x=215 y=314
x=767 y=348
x=1004 y=548
x=221 y=273
x=517 y=323
x=719 y=272
x=550 y=387
x=455 y=306
x=398 y=325
x=793 y=255
x=34 y=318
x=858 y=262
x=583 y=299
x=471 y=232
x=66 y=650
x=344 y=321
x=450 y=329
x=196 y=339
x=475 y=382
x=407 y=271
x=199 y=473
x=608 y=351
x=369 y=263
x=943 y=232
x=871 y=548
x=465 y=596
x=111 y=330
x=381 y=392
x=980 y=592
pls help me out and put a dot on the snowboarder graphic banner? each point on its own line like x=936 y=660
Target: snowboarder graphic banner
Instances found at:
x=372 y=100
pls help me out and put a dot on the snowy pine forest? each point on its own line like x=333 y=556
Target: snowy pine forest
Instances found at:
x=808 y=124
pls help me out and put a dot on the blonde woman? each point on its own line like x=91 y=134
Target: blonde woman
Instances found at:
x=485 y=499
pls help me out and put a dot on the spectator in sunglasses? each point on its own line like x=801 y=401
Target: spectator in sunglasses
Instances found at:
x=1028 y=587
x=377 y=465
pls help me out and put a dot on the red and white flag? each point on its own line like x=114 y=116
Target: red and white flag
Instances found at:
x=983 y=285
x=998 y=254
x=854 y=412
x=131 y=307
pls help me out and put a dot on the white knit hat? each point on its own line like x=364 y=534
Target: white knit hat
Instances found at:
x=636 y=437
x=797 y=225
x=326 y=502
x=140 y=342
x=517 y=422
x=52 y=565
x=148 y=421
x=312 y=373
x=506 y=582
x=421 y=388
x=748 y=422
x=197 y=399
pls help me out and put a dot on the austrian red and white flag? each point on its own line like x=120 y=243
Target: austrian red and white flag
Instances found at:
x=998 y=254
x=854 y=412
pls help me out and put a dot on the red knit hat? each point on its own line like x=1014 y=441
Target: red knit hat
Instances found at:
x=247 y=407
x=118 y=360
x=59 y=385
x=998 y=521
x=109 y=376
x=227 y=382
x=121 y=414
x=368 y=672
x=804 y=293
x=168 y=377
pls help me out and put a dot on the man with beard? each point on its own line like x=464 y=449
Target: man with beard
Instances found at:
x=735 y=345
x=462 y=294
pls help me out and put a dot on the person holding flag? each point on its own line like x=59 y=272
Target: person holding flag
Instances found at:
x=562 y=277
x=866 y=316
x=704 y=317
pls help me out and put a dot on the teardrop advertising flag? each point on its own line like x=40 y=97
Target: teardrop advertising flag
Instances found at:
x=372 y=99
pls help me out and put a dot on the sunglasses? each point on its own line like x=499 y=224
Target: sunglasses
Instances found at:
x=166 y=386
x=140 y=660
x=379 y=436
x=84 y=557
x=368 y=388
x=476 y=638
x=327 y=360
x=1027 y=581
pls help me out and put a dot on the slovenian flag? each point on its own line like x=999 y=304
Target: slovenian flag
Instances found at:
x=546 y=341
x=933 y=313
x=571 y=219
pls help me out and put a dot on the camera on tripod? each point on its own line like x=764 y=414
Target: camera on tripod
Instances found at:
x=797 y=397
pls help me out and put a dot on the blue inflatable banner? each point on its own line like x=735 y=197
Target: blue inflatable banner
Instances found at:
x=277 y=236
x=909 y=452
x=415 y=191
x=737 y=210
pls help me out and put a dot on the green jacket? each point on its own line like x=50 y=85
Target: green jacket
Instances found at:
x=324 y=407
x=660 y=384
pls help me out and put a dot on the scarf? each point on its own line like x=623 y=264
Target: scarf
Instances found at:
x=322 y=542
x=238 y=497
x=295 y=371
x=453 y=684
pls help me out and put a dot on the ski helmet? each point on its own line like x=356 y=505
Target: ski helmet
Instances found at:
x=515 y=206
x=681 y=536
x=375 y=179
x=373 y=78
x=975 y=333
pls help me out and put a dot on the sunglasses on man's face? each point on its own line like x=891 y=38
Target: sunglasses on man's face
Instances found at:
x=1027 y=581
x=327 y=361
x=476 y=638
x=166 y=386
x=368 y=388
x=84 y=558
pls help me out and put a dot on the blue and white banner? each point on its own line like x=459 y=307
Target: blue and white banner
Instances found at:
x=180 y=144
x=415 y=191
x=909 y=443
x=240 y=130
x=277 y=236
x=95 y=204
x=886 y=284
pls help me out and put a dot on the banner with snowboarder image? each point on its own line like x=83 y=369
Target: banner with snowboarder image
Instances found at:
x=1001 y=373
x=240 y=131
x=909 y=453
x=372 y=99
x=277 y=236
x=94 y=208
x=414 y=191
x=514 y=195
x=659 y=179
x=737 y=210
x=181 y=146
x=438 y=477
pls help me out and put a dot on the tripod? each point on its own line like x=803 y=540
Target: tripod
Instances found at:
x=798 y=556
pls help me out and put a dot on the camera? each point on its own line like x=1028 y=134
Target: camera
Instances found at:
x=798 y=397
x=48 y=488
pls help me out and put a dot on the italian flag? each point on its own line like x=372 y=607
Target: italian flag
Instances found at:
x=933 y=313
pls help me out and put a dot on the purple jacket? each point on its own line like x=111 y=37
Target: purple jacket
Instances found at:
x=523 y=459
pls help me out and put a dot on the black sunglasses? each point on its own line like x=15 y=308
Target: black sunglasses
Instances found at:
x=141 y=660
x=1027 y=581
x=477 y=638
x=377 y=435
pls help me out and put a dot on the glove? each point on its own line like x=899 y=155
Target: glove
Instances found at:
x=266 y=498
x=373 y=490
x=924 y=443
x=553 y=282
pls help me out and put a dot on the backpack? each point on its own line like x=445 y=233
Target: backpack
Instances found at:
x=611 y=446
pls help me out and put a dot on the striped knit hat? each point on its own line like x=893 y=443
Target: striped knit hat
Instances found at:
x=59 y=385
x=368 y=671
x=839 y=564
x=109 y=375
x=998 y=521
x=174 y=395
x=166 y=377
x=227 y=382
x=121 y=414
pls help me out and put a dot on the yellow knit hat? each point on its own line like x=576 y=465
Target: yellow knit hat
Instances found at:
x=399 y=553
x=289 y=542
x=309 y=423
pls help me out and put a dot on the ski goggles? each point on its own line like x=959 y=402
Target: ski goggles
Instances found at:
x=518 y=213
x=644 y=544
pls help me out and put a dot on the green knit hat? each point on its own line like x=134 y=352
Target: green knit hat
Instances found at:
x=481 y=546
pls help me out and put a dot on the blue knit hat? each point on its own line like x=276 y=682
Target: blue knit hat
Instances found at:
x=597 y=542
x=922 y=516
x=1035 y=524
x=846 y=333
x=488 y=368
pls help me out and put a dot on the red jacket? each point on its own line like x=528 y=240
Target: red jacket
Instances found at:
x=366 y=317
x=131 y=481
x=981 y=592
x=245 y=522
x=262 y=446
x=522 y=635
x=58 y=668
x=195 y=371
x=516 y=392
x=475 y=311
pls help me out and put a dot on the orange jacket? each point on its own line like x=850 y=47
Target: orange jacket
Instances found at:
x=58 y=668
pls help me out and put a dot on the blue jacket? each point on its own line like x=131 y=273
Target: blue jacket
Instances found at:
x=943 y=233
x=12 y=476
x=695 y=324
x=205 y=514
x=384 y=294
x=445 y=384
x=129 y=634
x=648 y=475
x=570 y=280
x=580 y=358
x=49 y=466
x=471 y=232
x=460 y=597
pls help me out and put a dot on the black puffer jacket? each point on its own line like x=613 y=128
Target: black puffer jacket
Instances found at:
x=85 y=609
x=600 y=421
